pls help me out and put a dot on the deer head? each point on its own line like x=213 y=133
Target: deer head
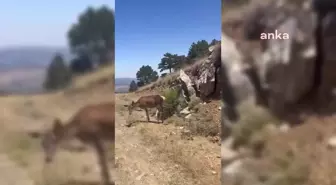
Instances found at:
x=51 y=139
x=131 y=107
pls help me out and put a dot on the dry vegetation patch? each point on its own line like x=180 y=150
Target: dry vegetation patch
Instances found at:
x=193 y=158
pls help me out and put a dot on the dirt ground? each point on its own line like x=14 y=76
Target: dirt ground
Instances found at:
x=154 y=153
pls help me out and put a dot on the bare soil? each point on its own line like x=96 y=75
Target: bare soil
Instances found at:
x=154 y=153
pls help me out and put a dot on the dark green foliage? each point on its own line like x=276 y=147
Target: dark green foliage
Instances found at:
x=214 y=42
x=199 y=49
x=133 y=86
x=171 y=102
x=93 y=35
x=234 y=3
x=139 y=84
x=58 y=74
x=146 y=75
x=171 y=61
x=81 y=64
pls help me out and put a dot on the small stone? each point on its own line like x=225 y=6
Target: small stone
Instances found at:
x=140 y=176
x=185 y=111
x=188 y=116
x=227 y=154
x=332 y=142
x=271 y=128
x=284 y=127
x=233 y=168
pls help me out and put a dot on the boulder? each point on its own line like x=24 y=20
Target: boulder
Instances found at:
x=278 y=73
x=328 y=75
x=201 y=78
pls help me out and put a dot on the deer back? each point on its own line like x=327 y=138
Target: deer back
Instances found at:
x=95 y=121
x=150 y=101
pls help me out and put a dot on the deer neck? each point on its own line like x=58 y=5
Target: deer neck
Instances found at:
x=136 y=104
x=70 y=131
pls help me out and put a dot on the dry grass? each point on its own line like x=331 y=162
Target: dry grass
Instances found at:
x=299 y=156
x=200 y=124
x=195 y=163
x=20 y=147
x=305 y=146
x=100 y=76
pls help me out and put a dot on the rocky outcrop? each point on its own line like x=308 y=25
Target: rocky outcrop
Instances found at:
x=278 y=72
x=201 y=79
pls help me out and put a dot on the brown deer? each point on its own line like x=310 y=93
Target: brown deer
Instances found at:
x=91 y=125
x=151 y=101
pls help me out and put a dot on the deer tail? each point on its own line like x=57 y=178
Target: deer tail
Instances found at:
x=164 y=98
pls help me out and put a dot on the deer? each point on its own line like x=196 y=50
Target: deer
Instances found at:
x=146 y=102
x=92 y=125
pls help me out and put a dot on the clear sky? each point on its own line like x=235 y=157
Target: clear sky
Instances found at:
x=147 y=29
x=40 y=23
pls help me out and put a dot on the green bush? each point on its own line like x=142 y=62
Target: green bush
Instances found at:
x=252 y=122
x=171 y=102
x=58 y=74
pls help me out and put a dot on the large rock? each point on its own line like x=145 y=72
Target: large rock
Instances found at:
x=328 y=75
x=186 y=85
x=280 y=72
x=287 y=67
x=201 y=79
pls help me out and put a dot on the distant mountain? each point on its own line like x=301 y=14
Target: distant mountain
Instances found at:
x=30 y=56
x=22 y=69
x=122 y=84
x=123 y=81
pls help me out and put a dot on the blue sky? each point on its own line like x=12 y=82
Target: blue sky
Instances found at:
x=40 y=23
x=147 y=29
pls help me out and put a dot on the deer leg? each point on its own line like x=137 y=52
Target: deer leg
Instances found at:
x=101 y=154
x=147 y=115
x=157 y=114
x=161 y=113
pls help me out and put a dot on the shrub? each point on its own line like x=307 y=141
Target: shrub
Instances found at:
x=133 y=86
x=171 y=103
x=252 y=122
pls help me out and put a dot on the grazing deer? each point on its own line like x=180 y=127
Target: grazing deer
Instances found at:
x=151 y=101
x=91 y=125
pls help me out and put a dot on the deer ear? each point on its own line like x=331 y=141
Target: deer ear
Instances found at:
x=132 y=102
x=57 y=126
